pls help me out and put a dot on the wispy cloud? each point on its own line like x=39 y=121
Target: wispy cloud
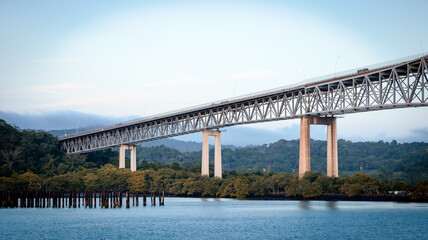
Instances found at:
x=57 y=87
x=54 y=60
x=79 y=102
x=253 y=74
x=174 y=82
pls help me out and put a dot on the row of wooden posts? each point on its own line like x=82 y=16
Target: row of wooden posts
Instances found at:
x=42 y=199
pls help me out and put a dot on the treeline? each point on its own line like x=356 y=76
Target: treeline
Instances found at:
x=179 y=182
x=38 y=152
x=388 y=161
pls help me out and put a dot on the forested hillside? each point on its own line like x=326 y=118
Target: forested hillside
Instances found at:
x=38 y=151
x=390 y=162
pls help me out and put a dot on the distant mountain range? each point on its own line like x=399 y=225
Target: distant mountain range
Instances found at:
x=182 y=146
x=240 y=136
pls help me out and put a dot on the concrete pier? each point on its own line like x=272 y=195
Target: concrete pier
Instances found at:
x=305 y=152
x=305 y=147
x=217 y=153
x=122 y=151
x=332 y=160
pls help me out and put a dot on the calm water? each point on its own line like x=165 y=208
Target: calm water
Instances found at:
x=195 y=218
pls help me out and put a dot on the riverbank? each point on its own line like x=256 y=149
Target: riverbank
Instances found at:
x=343 y=197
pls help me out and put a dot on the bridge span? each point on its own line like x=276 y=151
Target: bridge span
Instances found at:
x=398 y=83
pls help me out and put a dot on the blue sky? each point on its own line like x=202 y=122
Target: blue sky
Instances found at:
x=123 y=59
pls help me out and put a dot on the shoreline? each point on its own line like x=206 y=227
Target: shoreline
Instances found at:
x=324 y=197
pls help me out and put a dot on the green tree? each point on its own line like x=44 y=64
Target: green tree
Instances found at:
x=30 y=181
x=137 y=182
x=421 y=191
x=362 y=184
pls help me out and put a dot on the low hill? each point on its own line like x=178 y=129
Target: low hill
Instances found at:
x=38 y=151
x=406 y=162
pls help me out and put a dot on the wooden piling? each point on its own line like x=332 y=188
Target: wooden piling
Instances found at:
x=115 y=199
x=127 y=199
x=74 y=199
x=144 y=199
x=120 y=198
x=163 y=197
x=136 y=198
x=111 y=199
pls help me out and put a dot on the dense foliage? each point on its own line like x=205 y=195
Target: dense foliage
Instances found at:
x=31 y=160
x=181 y=182
x=390 y=162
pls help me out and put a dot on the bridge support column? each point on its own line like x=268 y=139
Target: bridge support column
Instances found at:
x=122 y=151
x=332 y=161
x=217 y=156
x=305 y=146
x=217 y=153
x=205 y=154
x=133 y=158
x=305 y=152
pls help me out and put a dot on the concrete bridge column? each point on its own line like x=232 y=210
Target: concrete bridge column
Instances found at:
x=122 y=151
x=205 y=154
x=305 y=152
x=217 y=153
x=332 y=160
x=305 y=146
x=133 y=158
x=217 y=156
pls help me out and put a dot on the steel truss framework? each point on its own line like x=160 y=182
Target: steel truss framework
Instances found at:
x=398 y=86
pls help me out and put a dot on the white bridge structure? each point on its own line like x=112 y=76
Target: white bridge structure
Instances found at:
x=400 y=83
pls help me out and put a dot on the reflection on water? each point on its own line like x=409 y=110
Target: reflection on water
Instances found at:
x=210 y=199
x=310 y=205
x=304 y=204
x=332 y=205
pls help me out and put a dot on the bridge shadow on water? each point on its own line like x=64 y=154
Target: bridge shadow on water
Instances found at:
x=308 y=205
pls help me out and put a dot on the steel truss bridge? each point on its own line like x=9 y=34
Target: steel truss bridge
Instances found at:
x=396 y=84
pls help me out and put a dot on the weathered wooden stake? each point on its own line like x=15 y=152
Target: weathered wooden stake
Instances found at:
x=120 y=198
x=136 y=198
x=74 y=199
x=127 y=199
x=163 y=197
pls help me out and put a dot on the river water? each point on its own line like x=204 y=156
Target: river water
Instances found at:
x=196 y=218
